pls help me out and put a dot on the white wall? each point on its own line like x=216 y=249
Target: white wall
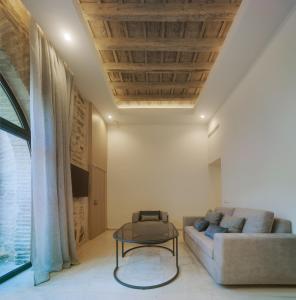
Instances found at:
x=257 y=134
x=156 y=167
x=215 y=196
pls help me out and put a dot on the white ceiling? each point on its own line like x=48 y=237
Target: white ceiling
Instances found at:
x=254 y=26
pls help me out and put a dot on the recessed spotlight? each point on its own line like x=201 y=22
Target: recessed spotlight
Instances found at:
x=67 y=37
x=110 y=117
x=202 y=116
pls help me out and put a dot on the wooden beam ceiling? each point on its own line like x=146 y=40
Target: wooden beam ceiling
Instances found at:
x=156 y=51
x=145 y=85
x=161 y=12
x=202 y=66
x=161 y=44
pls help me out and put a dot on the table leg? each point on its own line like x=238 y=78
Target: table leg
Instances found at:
x=173 y=247
x=116 y=254
x=122 y=249
x=177 y=254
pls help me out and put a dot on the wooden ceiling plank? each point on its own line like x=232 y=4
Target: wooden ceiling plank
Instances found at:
x=199 y=66
x=156 y=98
x=165 y=12
x=191 y=45
x=190 y=84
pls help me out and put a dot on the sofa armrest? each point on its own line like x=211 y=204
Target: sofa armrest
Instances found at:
x=164 y=216
x=136 y=217
x=262 y=258
x=189 y=220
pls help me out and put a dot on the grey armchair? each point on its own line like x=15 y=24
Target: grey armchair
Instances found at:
x=151 y=215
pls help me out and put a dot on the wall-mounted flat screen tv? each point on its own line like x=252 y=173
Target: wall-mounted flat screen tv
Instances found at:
x=80 y=179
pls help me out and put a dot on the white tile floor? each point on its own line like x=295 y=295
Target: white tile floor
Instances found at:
x=93 y=279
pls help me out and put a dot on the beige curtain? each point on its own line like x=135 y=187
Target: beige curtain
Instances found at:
x=51 y=95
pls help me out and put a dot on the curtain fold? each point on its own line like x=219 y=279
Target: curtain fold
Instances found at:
x=51 y=105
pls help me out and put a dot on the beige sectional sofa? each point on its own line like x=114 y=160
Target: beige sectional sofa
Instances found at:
x=264 y=253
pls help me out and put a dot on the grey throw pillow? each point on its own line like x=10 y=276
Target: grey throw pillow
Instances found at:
x=213 y=229
x=213 y=217
x=233 y=224
x=200 y=224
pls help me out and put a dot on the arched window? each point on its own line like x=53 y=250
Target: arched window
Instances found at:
x=15 y=186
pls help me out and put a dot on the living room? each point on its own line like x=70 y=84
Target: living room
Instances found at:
x=182 y=179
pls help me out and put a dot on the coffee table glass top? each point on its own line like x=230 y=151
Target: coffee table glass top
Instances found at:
x=148 y=232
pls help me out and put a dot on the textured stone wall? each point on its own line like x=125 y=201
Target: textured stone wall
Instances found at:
x=79 y=157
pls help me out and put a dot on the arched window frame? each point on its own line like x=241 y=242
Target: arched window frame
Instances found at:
x=23 y=133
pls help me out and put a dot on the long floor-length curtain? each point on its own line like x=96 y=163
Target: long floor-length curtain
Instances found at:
x=51 y=95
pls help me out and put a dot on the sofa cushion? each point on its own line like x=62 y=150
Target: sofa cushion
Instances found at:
x=200 y=224
x=202 y=241
x=226 y=211
x=213 y=229
x=233 y=224
x=257 y=221
x=281 y=226
x=213 y=217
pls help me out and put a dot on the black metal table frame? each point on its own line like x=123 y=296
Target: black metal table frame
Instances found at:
x=174 y=251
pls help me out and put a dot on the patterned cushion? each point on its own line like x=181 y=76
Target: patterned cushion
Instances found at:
x=200 y=224
x=213 y=229
x=233 y=224
x=213 y=217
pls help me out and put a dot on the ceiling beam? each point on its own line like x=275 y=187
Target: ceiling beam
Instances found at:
x=121 y=67
x=135 y=44
x=156 y=98
x=161 y=12
x=137 y=85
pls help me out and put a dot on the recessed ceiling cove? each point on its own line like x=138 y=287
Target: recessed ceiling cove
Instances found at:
x=158 y=53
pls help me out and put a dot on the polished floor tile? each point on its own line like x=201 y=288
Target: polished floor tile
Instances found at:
x=93 y=278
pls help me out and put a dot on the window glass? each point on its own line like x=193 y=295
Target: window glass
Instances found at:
x=15 y=202
x=6 y=109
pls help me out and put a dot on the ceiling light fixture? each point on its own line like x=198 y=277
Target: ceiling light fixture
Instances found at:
x=110 y=117
x=67 y=37
x=202 y=116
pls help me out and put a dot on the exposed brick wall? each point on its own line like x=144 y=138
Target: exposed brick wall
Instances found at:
x=15 y=83
x=80 y=133
x=79 y=157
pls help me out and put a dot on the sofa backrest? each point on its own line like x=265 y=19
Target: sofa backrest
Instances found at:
x=257 y=221
x=226 y=211
x=281 y=226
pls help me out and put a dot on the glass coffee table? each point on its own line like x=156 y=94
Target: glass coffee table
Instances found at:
x=146 y=234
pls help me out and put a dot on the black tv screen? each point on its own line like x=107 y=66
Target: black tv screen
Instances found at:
x=80 y=180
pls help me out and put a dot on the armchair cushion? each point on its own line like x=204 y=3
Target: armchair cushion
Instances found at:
x=150 y=216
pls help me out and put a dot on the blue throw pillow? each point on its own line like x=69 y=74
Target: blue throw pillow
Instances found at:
x=212 y=229
x=200 y=224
